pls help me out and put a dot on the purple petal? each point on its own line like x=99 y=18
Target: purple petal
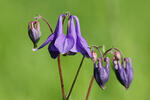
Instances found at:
x=100 y=63
x=72 y=33
x=129 y=70
x=104 y=76
x=64 y=43
x=96 y=73
x=107 y=67
x=59 y=27
x=82 y=45
x=123 y=76
x=115 y=64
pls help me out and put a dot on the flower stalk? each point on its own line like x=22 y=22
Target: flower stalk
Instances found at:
x=117 y=50
x=40 y=17
x=76 y=76
x=89 y=89
x=61 y=78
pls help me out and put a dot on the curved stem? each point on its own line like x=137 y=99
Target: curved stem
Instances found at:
x=40 y=17
x=98 y=48
x=90 y=86
x=74 y=81
x=61 y=78
x=110 y=50
x=120 y=53
x=100 y=52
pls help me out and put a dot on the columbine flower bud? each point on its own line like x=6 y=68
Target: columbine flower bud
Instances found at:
x=117 y=55
x=124 y=73
x=34 y=32
x=94 y=56
x=101 y=73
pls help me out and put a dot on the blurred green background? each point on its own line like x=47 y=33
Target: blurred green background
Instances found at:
x=28 y=75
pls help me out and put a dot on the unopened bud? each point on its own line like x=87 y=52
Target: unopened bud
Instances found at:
x=101 y=72
x=123 y=72
x=34 y=32
x=94 y=56
x=117 y=55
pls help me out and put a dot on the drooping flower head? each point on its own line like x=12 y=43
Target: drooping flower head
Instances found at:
x=34 y=32
x=71 y=43
x=124 y=72
x=101 y=73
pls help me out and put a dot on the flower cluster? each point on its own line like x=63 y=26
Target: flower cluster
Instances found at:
x=73 y=43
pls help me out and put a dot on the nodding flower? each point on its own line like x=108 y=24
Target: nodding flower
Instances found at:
x=123 y=72
x=34 y=32
x=101 y=73
x=71 y=43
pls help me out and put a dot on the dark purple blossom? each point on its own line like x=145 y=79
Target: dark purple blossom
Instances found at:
x=34 y=32
x=71 y=43
x=124 y=73
x=101 y=73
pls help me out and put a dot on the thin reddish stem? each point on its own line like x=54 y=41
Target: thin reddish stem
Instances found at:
x=40 y=17
x=74 y=81
x=47 y=24
x=61 y=78
x=90 y=86
x=110 y=51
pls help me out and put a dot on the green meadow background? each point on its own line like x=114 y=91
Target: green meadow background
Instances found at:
x=28 y=75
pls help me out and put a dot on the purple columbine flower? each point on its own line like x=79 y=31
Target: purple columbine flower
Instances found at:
x=34 y=32
x=101 y=73
x=124 y=73
x=71 y=43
